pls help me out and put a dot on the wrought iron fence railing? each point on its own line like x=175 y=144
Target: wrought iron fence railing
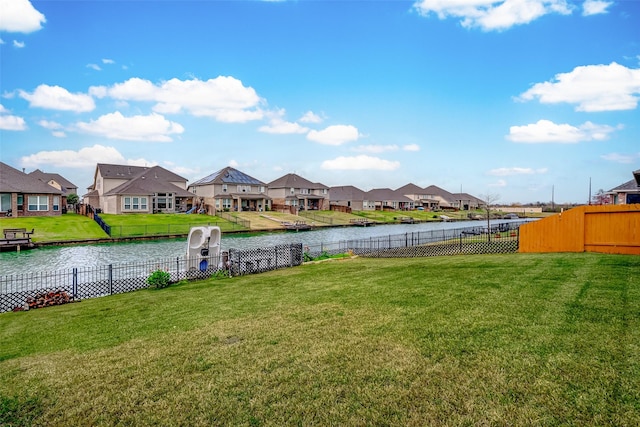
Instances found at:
x=92 y=282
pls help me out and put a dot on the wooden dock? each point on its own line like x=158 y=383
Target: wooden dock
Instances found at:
x=16 y=239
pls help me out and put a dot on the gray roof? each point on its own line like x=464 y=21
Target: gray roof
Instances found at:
x=632 y=185
x=131 y=172
x=386 y=194
x=434 y=190
x=346 y=192
x=62 y=181
x=149 y=181
x=14 y=181
x=296 y=181
x=410 y=189
x=228 y=175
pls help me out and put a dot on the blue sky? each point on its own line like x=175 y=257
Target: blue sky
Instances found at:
x=511 y=98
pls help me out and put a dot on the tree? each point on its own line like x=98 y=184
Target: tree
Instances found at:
x=601 y=198
x=489 y=199
x=72 y=199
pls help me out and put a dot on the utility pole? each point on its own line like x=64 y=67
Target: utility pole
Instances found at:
x=589 y=191
x=553 y=204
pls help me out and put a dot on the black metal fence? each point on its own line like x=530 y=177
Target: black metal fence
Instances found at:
x=499 y=238
x=92 y=282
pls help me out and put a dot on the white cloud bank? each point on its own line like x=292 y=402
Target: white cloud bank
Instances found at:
x=592 y=88
x=86 y=157
x=225 y=99
x=19 y=16
x=334 y=135
x=493 y=15
x=546 y=131
x=516 y=171
x=622 y=158
x=10 y=122
x=361 y=162
x=595 y=7
x=58 y=98
x=153 y=127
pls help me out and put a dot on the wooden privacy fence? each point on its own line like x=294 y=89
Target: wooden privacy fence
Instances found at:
x=607 y=229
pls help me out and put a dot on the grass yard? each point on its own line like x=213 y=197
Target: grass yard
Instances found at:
x=69 y=226
x=130 y=225
x=518 y=339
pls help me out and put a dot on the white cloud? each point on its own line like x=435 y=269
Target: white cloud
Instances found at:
x=19 y=16
x=498 y=183
x=94 y=67
x=10 y=122
x=622 y=158
x=492 y=14
x=153 y=127
x=411 y=147
x=592 y=88
x=58 y=98
x=546 y=131
x=2 y=41
x=233 y=163
x=18 y=45
x=361 y=162
x=334 y=135
x=84 y=158
x=108 y=61
x=310 y=117
x=595 y=7
x=516 y=171
x=279 y=126
x=375 y=148
x=225 y=99
x=55 y=128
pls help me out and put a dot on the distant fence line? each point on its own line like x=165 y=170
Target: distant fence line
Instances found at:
x=92 y=282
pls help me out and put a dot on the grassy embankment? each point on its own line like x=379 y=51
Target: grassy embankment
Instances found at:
x=477 y=340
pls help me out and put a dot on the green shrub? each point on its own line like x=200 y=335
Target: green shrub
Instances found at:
x=159 y=279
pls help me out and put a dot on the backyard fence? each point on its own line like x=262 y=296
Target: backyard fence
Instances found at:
x=91 y=282
x=77 y=284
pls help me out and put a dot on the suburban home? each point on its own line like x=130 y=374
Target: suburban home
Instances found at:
x=57 y=181
x=230 y=190
x=466 y=202
x=351 y=197
x=627 y=193
x=292 y=193
x=436 y=198
x=416 y=194
x=23 y=195
x=119 y=189
x=386 y=198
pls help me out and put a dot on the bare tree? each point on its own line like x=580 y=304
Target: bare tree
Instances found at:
x=489 y=199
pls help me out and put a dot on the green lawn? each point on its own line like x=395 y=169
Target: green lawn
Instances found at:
x=57 y=228
x=514 y=339
x=161 y=224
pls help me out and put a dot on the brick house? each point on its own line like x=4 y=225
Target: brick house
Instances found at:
x=24 y=195
x=293 y=192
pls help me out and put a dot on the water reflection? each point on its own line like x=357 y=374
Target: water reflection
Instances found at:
x=67 y=257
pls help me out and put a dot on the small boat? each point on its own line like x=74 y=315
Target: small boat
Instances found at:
x=203 y=247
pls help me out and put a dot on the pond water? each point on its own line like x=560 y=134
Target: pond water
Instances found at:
x=52 y=258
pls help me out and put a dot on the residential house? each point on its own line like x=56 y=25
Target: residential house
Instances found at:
x=57 y=181
x=416 y=194
x=121 y=189
x=386 y=198
x=23 y=195
x=293 y=192
x=436 y=198
x=351 y=197
x=466 y=202
x=627 y=193
x=230 y=190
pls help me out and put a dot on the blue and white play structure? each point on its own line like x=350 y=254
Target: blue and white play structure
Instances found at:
x=203 y=248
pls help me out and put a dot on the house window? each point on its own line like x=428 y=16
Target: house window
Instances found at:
x=224 y=188
x=304 y=191
x=226 y=203
x=164 y=201
x=38 y=203
x=324 y=191
x=5 y=202
x=293 y=190
x=262 y=189
x=134 y=203
x=56 y=203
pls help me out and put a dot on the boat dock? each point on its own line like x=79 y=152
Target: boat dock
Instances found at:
x=15 y=239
